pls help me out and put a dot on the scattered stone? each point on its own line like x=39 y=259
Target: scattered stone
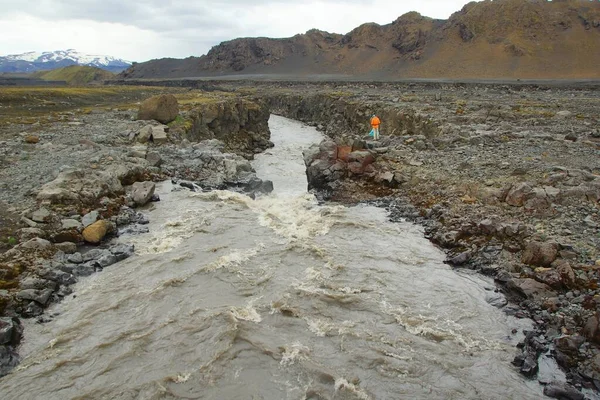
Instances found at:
x=39 y=296
x=41 y=215
x=71 y=224
x=540 y=254
x=564 y=114
x=571 y=136
x=159 y=135
x=145 y=134
x=28 y=222
x=153 y=159
x=36 y=244
x=32 y=139
x=142 y=192
x=10 y=332
x=25 y=234
x=66 y=247
x=534 y=289
x=86 y=269
x=122 y=251
x=518 y=194
x=75 y=258
x=36 y=283
x=562 y=391
x=90 y=218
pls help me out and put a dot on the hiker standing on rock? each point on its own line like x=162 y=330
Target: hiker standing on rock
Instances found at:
x=375 y=122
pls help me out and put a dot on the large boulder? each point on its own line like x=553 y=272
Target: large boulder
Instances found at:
x=163 y=108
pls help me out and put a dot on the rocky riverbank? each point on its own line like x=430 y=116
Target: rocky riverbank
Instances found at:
x=71 y=187
x=505 y=178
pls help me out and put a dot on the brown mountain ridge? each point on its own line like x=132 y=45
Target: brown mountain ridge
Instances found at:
x=529 y=39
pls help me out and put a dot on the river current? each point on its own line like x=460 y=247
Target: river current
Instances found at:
x=274 y=298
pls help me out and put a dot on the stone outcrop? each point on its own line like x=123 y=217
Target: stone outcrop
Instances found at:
x=80 y=186
x=241 y=125
x=163 y=108
x=339 y=116
x=328 y=164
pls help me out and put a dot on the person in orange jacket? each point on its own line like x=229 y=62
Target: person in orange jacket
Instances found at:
x=375 y=122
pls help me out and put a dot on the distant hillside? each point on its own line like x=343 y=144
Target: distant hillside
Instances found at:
x=487 y=39
x=36 y=61
x=75 y=75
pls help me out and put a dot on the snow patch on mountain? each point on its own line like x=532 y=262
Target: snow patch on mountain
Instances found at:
x=68 y=55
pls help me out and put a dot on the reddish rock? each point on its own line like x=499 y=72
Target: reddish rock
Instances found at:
x=343 y=152
x=591 y=329
x=359 y=160
x=566 y=273
x=518 y=194
x=32 y=139
x=534 y=289
x=540 y=254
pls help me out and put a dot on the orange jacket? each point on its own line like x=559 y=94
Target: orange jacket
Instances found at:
x=375 y=122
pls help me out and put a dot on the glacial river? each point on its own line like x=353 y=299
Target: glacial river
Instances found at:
x=274 y=298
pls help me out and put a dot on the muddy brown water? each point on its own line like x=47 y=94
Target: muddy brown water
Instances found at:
x=274 y=298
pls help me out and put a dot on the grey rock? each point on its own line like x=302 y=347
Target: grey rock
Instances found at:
x=562 y=391
x=39 y=296
x=496 y=299
x=9 y=359
x=37 y=283
x=90 y=218
x=71 y=224
x=86 y=269
x=10 y=331
x=159 y=135
x=123 y=251
x=106 y=260
x=142 y=192
x=26 y=234
x=41 y=215
x=94 y=254
x=154 y=159
x=75 y=258
x=28 y=222
x=144 y=134
x=66 y=247
x=36 y=244
x=564 y=114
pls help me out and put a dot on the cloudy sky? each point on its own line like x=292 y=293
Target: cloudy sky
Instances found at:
x=139 y=30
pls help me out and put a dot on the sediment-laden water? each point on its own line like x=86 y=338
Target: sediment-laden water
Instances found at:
x=274 y=298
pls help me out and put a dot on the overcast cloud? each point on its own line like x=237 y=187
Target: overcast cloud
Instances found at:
x=140 y=30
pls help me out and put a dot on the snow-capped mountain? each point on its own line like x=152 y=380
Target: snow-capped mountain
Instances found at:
x=35 y=61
